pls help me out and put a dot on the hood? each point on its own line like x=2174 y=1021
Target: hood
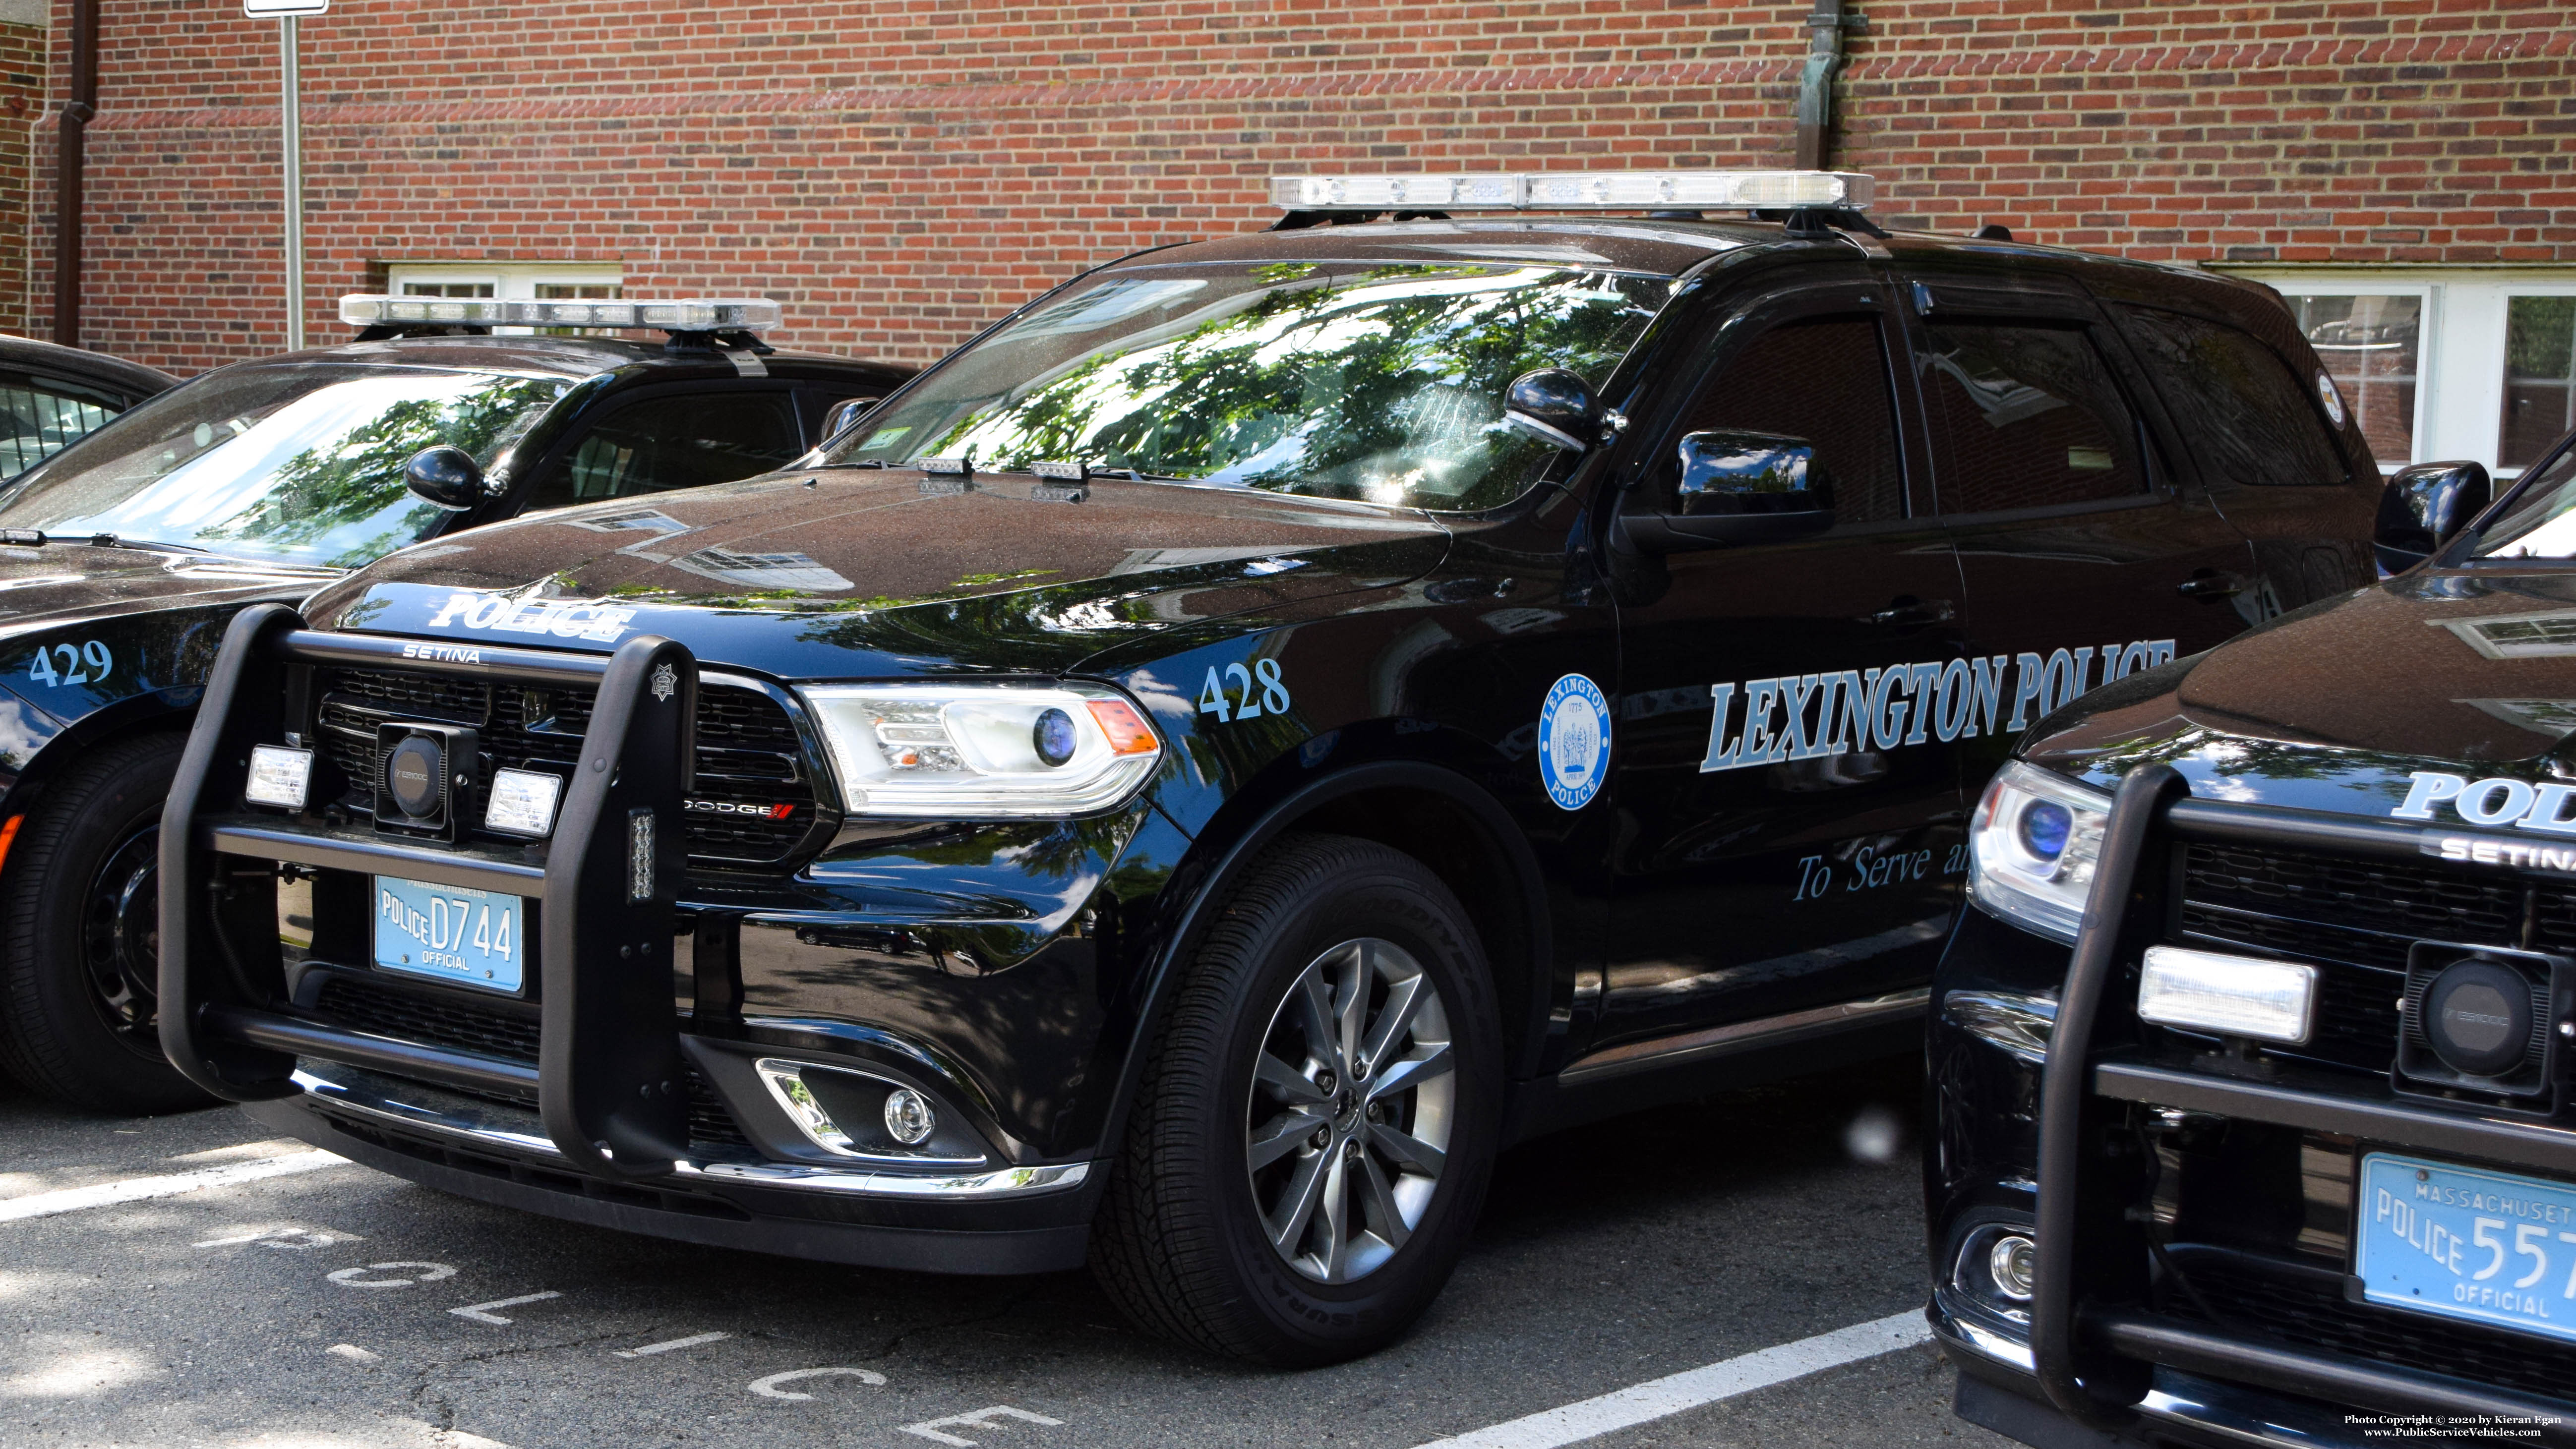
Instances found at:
x=61 y=582
x=2334 y=706
x=867 y=573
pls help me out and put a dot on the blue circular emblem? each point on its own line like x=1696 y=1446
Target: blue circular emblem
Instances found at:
x=1574 y=741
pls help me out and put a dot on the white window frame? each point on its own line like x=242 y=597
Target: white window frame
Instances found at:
x=2459 y=355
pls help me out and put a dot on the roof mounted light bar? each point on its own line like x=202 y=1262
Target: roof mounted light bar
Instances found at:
x=1576 y=191
x=680 y=314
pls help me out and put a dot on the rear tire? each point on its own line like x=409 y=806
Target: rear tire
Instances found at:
x=1281 y=1197
x=79 y=946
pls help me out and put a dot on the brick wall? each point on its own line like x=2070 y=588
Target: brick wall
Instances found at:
x=22 y=99
x=900 y=172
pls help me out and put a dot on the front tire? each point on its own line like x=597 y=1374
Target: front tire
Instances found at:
x=80 y=947
x=1313 y=1135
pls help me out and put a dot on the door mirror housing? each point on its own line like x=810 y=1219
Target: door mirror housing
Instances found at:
x=1738 y=488
x=448 y=477
x=1554 y=406
x=2425 y=507
x=838 y=417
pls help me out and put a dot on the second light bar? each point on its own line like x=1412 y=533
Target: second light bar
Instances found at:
x=1576 y=190
x=679 y=314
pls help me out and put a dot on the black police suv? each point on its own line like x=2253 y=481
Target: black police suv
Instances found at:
x=1199 y=770
x=52 y=396
x=122 y=557
x=2254 y=1108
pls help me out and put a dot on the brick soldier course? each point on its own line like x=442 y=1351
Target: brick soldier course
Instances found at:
x=901 y=173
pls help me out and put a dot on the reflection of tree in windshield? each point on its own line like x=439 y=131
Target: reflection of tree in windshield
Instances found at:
x=357 y=476
x=1385 y=385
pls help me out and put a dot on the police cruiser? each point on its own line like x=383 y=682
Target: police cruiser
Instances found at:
x=2255 y=1069
x=123 y=555
x=1261 y=728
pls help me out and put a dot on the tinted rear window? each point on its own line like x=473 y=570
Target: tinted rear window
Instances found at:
x=2245 y=415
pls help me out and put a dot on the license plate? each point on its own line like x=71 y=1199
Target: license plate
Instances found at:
x=2462 y=1243
x=452 y=933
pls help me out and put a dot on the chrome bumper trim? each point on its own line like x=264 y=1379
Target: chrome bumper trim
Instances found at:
x=492 y=1128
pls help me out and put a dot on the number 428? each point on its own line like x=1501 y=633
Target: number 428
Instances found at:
x=1273 y=690
x=62 y=664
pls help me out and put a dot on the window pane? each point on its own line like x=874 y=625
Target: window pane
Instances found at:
x=2539 y=377
x=2248 y=417
x=654 y=445
x=37 y=419
x=1824 y=381
x=2368 y=345
x=2030 y=418
x=447 y=289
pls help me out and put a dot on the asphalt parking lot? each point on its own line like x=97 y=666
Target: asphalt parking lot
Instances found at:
x=290 y=1302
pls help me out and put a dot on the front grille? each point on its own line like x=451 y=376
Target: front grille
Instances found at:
x=2308 y=1310
x=748 y=752
x=2356 y=920
x=443 y=1021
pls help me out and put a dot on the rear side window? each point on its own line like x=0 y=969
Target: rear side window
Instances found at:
x=2248 y=418
x=2028 y=416
x=1825 y=381
x=39 y=416
x=658 y=444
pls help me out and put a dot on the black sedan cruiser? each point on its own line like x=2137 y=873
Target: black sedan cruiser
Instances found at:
x=1204 y=767
x=122 y=557
x=2254 y=1077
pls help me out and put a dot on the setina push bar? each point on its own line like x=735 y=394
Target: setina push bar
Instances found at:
x=610 y=1082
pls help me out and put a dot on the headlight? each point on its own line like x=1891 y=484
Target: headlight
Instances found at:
x=2032 y=849
x=970 y=751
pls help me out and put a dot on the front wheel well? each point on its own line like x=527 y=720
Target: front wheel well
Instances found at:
x=1498 y=887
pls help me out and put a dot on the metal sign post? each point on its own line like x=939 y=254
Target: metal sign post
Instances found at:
x=286 y=13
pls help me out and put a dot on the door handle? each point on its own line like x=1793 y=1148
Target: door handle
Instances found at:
x=2209 y=585
x=1909 y=610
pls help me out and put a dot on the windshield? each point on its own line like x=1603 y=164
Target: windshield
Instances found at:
x=2543 y=524
x=1382 y=383
x=295 y=464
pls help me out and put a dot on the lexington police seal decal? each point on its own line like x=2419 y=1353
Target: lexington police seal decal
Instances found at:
x=1574 y=741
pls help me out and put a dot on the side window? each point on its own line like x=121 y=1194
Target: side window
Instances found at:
x=40 y=416
x=1824 y=380
x=2252 y=420
x=654 y=445
x=2028 y=416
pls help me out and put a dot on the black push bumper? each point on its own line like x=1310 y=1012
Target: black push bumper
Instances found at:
x=597 y=1127
x=2100 y=1357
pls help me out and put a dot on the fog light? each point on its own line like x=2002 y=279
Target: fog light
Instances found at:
x=522 y=802
x=2014 y=1265
x=278 y=776
x=908 y=1117
x=2227 y=995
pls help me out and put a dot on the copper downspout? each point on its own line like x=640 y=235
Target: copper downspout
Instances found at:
x=67 y=172
x=1816 y=82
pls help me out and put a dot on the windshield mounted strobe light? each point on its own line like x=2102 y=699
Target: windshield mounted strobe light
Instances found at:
x=983 y=751
x=279 y=776
x=679 y=314
x=1577 y=191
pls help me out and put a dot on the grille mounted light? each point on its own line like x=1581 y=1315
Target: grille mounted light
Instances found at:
x=679 y=314
x=2228 y=995
x=522 y=802
x=279 y=776
x=1576 y=191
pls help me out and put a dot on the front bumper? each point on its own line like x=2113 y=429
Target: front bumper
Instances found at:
x=2220 y=1319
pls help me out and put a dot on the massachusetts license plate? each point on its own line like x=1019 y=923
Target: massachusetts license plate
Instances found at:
x=453 y=933
x=2464 y=1243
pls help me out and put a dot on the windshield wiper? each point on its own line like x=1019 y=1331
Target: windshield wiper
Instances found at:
x=109 y=540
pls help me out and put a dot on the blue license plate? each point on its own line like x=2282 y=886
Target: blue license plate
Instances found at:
x=452 y=933
x=2462 y=1243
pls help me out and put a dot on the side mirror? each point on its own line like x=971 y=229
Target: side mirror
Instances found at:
x=2424 y=507
x=1738 y=488
x=448 y=477
x=1554 y=406
x=838 y=417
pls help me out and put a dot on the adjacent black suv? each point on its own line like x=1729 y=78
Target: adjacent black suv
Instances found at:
x=123 y=556
x=1273 y=721
x=2254 y=1075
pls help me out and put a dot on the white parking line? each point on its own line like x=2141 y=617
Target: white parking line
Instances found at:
x=1657 y=1398
x=138 y=1189
x=482 y=1312
x=668 y=1344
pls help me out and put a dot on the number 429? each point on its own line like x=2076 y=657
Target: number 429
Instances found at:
x=45 y=671
x=1274 y=692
